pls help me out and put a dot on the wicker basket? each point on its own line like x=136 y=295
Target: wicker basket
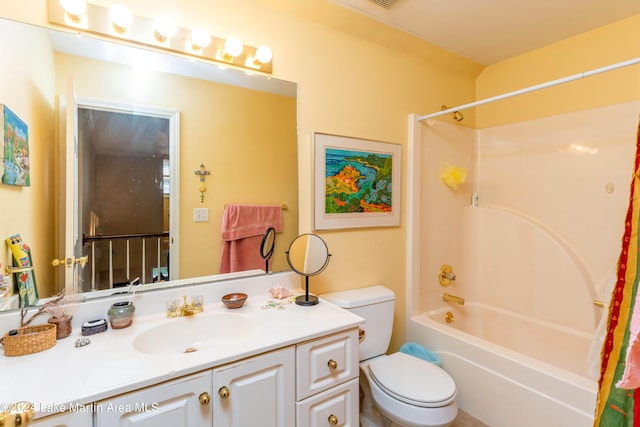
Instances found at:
x=30 y=339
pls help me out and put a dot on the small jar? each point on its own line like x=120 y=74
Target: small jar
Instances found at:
x=63 y=326
x=121 y=314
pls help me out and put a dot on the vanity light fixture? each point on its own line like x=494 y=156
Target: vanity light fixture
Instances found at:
x=121 y=18
x=263 y=55
x=164 y=28
x=200 y=38
x=117 y=22
x=232 y=48
x=74 y=9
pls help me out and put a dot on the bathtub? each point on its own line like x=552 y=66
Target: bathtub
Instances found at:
x=510 y=370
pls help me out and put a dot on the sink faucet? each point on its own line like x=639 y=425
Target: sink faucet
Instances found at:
x=452 y=298
x=186 y=309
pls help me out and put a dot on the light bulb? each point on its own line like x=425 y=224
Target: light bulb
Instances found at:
x=121 y=17
x=264 y=54
x=74 y=8
x=165 y=28
x=200 y=38
x=233 y=47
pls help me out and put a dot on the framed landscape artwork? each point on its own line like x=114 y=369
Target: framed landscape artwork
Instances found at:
x=15 y=149
x=357 y=183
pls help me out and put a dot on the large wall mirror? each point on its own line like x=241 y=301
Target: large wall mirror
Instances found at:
x=241 y=128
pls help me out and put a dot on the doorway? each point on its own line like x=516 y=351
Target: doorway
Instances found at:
x=127 y=181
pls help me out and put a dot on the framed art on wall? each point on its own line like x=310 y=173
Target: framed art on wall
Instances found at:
x=357 y=182
x=15 y=149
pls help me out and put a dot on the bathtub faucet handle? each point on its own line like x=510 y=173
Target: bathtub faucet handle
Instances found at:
x=446 y=275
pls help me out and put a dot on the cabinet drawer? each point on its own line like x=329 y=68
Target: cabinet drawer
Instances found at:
x=335 y=407
x=326 y=362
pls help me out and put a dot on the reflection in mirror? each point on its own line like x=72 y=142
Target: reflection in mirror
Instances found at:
x=308 y=255
x=266 y=247
x=238 y=125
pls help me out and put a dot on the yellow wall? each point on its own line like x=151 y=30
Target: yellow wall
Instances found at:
x=604 y=46
x=355 y=78
x=27 y=88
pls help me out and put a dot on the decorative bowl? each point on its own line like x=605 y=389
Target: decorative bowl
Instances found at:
x=234 y=300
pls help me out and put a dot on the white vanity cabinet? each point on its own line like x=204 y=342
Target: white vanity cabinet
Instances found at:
x=65 y=419
x=313 y=383
x=259 y=391
x=185 y=401
x=327 y=381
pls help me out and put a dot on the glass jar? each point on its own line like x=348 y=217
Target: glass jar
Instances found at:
x=121 y=314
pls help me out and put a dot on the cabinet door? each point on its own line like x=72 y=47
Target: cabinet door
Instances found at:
x=337 y=406
x=66 y=419
x=184 y=402
x=256 y=392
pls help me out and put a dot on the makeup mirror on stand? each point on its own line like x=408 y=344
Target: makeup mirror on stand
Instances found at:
x=308 y=255
x=266 y=247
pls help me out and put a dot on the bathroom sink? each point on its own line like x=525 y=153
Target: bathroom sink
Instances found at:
x=193 y=333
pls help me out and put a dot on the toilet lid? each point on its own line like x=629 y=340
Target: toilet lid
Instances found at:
x=413 y=380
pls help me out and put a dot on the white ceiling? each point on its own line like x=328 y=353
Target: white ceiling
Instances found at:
x=492 y=30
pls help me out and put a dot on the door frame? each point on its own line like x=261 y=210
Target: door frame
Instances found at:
x=174 y=165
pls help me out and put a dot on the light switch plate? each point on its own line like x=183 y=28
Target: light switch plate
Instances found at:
x=201 y=215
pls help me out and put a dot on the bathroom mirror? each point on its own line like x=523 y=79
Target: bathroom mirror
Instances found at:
x=308 y=255
x=267 y=246
x=226 y=127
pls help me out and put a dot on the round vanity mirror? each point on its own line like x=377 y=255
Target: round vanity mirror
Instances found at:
x=308 y=255
x=267 y=245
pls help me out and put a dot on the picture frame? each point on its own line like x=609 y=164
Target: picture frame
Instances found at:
x=14 y=136
x=356 y=182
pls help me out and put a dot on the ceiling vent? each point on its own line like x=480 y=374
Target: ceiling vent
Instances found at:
x=385 y=3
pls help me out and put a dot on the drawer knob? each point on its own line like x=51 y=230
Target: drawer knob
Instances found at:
x=18 y=414
x=224 y=392
x=332 y=364
x=333 y=420
x=204 y=398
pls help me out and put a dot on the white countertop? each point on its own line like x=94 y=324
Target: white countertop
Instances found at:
x=56 y=379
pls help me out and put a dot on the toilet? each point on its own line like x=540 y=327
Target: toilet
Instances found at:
x=396 y=389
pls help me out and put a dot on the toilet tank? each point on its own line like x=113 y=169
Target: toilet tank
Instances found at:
x=375 y=304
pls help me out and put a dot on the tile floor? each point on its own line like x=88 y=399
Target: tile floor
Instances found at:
x=465 y=420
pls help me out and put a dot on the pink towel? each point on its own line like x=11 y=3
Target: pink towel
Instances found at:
x=243 y=227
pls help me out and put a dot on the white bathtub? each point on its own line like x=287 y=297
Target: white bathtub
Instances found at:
x=533 y=382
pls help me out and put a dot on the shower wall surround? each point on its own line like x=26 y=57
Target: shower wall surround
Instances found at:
x=552 y=194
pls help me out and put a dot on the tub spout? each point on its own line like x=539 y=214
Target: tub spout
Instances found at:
x=452 y=298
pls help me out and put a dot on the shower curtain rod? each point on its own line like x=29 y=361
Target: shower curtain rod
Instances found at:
x=532 y=88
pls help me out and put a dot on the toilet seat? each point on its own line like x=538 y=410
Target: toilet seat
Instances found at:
x=413 y=380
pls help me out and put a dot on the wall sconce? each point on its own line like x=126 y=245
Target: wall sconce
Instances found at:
x=161 y=33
